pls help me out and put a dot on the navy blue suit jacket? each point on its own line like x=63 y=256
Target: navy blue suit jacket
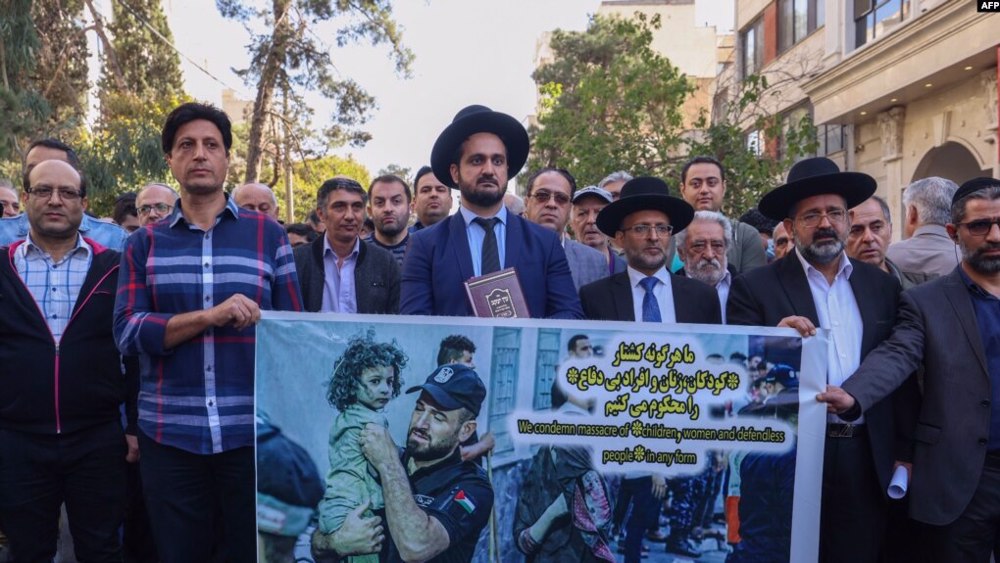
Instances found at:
x=438 y=261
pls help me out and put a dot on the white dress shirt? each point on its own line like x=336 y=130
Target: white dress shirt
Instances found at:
x=837 y=310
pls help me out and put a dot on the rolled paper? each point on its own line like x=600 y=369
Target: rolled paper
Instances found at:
x=897 y=485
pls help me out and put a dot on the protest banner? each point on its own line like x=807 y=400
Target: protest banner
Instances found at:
x=579 y=413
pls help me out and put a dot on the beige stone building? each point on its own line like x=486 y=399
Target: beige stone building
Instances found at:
x=900 y=89
x=236 y=108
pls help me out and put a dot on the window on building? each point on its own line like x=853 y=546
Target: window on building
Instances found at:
x=546 y=362
x=873 y=18
x=503 y=384
x=755 y=142
x=797 y=19
x=831 y=138
x=752 y=44
x=794 y=120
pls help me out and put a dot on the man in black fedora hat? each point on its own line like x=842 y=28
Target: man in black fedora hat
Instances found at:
x=477 y=153
x=817 y=285
x=641 y=222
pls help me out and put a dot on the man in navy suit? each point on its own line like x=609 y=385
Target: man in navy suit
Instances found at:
x=477 y=153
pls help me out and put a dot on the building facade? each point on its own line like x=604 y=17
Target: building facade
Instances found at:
x=899 y=89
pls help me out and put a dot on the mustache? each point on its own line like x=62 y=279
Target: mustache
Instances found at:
x=987 y=247
x=705 y=263
x=825 y=232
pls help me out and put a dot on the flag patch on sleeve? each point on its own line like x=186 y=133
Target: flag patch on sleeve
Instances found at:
x=465 y=502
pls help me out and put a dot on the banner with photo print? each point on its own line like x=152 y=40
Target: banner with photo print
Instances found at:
x=592 y=441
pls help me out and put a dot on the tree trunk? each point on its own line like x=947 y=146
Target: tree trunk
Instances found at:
x=265 y=87
x=109 y=49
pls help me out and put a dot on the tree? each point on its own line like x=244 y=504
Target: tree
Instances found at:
x=61 y=72
x=43 y=75
x=310 y=174
x=291 y=58
x=403 y=172
x=140 y=83
x=609 y=102
x=142 y=54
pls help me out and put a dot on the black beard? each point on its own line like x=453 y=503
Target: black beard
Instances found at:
x=483 y=198
x=392 y=231
x=431 y=450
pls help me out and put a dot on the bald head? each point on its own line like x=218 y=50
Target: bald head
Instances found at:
x=154 y=202
x=257 y=197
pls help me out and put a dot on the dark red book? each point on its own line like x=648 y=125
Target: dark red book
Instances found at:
x=497 y=295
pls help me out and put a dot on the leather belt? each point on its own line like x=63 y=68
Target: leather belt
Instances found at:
x=838 y=430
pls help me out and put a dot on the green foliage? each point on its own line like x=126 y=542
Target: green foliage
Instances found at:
x=309 y=175
x=43 y=74
x=753 y=171
x=609 y=102
x=403 y=172
x=122 y=152
x=148 y=65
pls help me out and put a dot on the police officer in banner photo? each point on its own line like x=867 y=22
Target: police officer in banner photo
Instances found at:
x=436 y=505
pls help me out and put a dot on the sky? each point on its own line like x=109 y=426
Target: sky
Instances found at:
x=467 y=52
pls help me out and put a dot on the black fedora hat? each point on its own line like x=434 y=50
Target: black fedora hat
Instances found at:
x=479 y=119
x=638 y=194
x=816 y=176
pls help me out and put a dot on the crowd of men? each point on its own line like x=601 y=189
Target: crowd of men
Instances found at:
x=158 y=315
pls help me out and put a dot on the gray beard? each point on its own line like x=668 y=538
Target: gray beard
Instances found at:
x=709 y=272
x=978 y=262
x=821 y=253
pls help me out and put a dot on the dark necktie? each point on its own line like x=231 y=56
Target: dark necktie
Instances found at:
x=491 y=252
x=650 y=306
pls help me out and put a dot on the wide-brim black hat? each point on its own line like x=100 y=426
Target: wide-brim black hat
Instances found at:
x=642 y=193
x=479 y=119
x=816 y=176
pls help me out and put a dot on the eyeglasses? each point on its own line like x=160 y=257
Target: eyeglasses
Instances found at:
x=45 y=192
x=810 y=220
x=544 y=196
x=980 y=228
x=162 y=208
x=643 y=230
